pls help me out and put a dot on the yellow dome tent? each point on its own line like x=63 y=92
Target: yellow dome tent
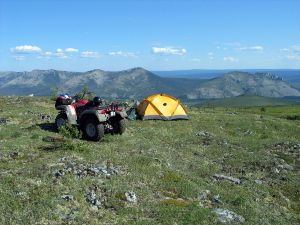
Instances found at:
x=161 y=107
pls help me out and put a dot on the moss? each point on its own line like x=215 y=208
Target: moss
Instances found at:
x=171 y=177
x=175 y=202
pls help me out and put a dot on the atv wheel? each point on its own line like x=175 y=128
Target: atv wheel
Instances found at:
x=93 y=130
x=119 y=126
x=61 y=120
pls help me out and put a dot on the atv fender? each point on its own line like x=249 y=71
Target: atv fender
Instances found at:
x=70 y=111
x=87 y=113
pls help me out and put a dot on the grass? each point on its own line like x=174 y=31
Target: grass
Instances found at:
x=166 y=164
x=249 y=101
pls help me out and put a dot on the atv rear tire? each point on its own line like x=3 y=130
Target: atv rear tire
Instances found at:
x=119 y=126
x=61 y=120
x=93 y=130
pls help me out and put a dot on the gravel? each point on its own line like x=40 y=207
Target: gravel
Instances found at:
x=81 y=170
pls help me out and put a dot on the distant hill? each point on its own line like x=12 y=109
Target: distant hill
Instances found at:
x=239 y=83
x=248 y=101
x=290 y=75
x=138 y=83
x=132 y=83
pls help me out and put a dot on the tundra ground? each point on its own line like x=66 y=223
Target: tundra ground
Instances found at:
x=157 y=172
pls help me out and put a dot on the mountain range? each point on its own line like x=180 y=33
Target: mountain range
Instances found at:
x=138 y=83
x=290 y=75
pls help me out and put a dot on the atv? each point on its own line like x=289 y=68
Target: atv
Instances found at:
x=94 y=118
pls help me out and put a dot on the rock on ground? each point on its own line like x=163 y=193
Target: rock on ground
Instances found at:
x=227 y=216
x=223 y=177
x=92 y=199
x=131 y=197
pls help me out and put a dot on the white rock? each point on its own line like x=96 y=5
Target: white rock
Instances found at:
x=227 y=216
x=223 y=177
x=131 y=197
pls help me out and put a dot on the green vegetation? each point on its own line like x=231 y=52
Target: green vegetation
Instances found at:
x=85 y=93
x=248 y=101
x=166 y=164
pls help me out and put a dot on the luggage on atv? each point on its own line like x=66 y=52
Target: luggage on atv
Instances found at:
x=63 y=99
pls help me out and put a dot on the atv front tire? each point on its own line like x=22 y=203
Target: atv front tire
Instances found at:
x=93 y=130
x=61 y=120
x=119 y=126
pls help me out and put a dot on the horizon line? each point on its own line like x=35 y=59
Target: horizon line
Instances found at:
x=152 y=70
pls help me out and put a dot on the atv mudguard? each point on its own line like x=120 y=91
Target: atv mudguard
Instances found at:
x=70 y=112
x=100 y=117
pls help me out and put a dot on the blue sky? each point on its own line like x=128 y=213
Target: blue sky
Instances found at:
x=81 y=35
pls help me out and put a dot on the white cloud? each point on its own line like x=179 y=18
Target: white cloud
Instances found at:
x=26 y=49
x=169 y=50
x=293 y=57
x=46 y=54
x=230 y=59
x=19 y=57
x=124 y=54
x=239 y=47
x=293 y=52
x=257 y=48
x=90 y=54
x=284 y=50
x=60 y=54
x=227 y=45
x=59 y=50
x=295 y=48
x=71 y=50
